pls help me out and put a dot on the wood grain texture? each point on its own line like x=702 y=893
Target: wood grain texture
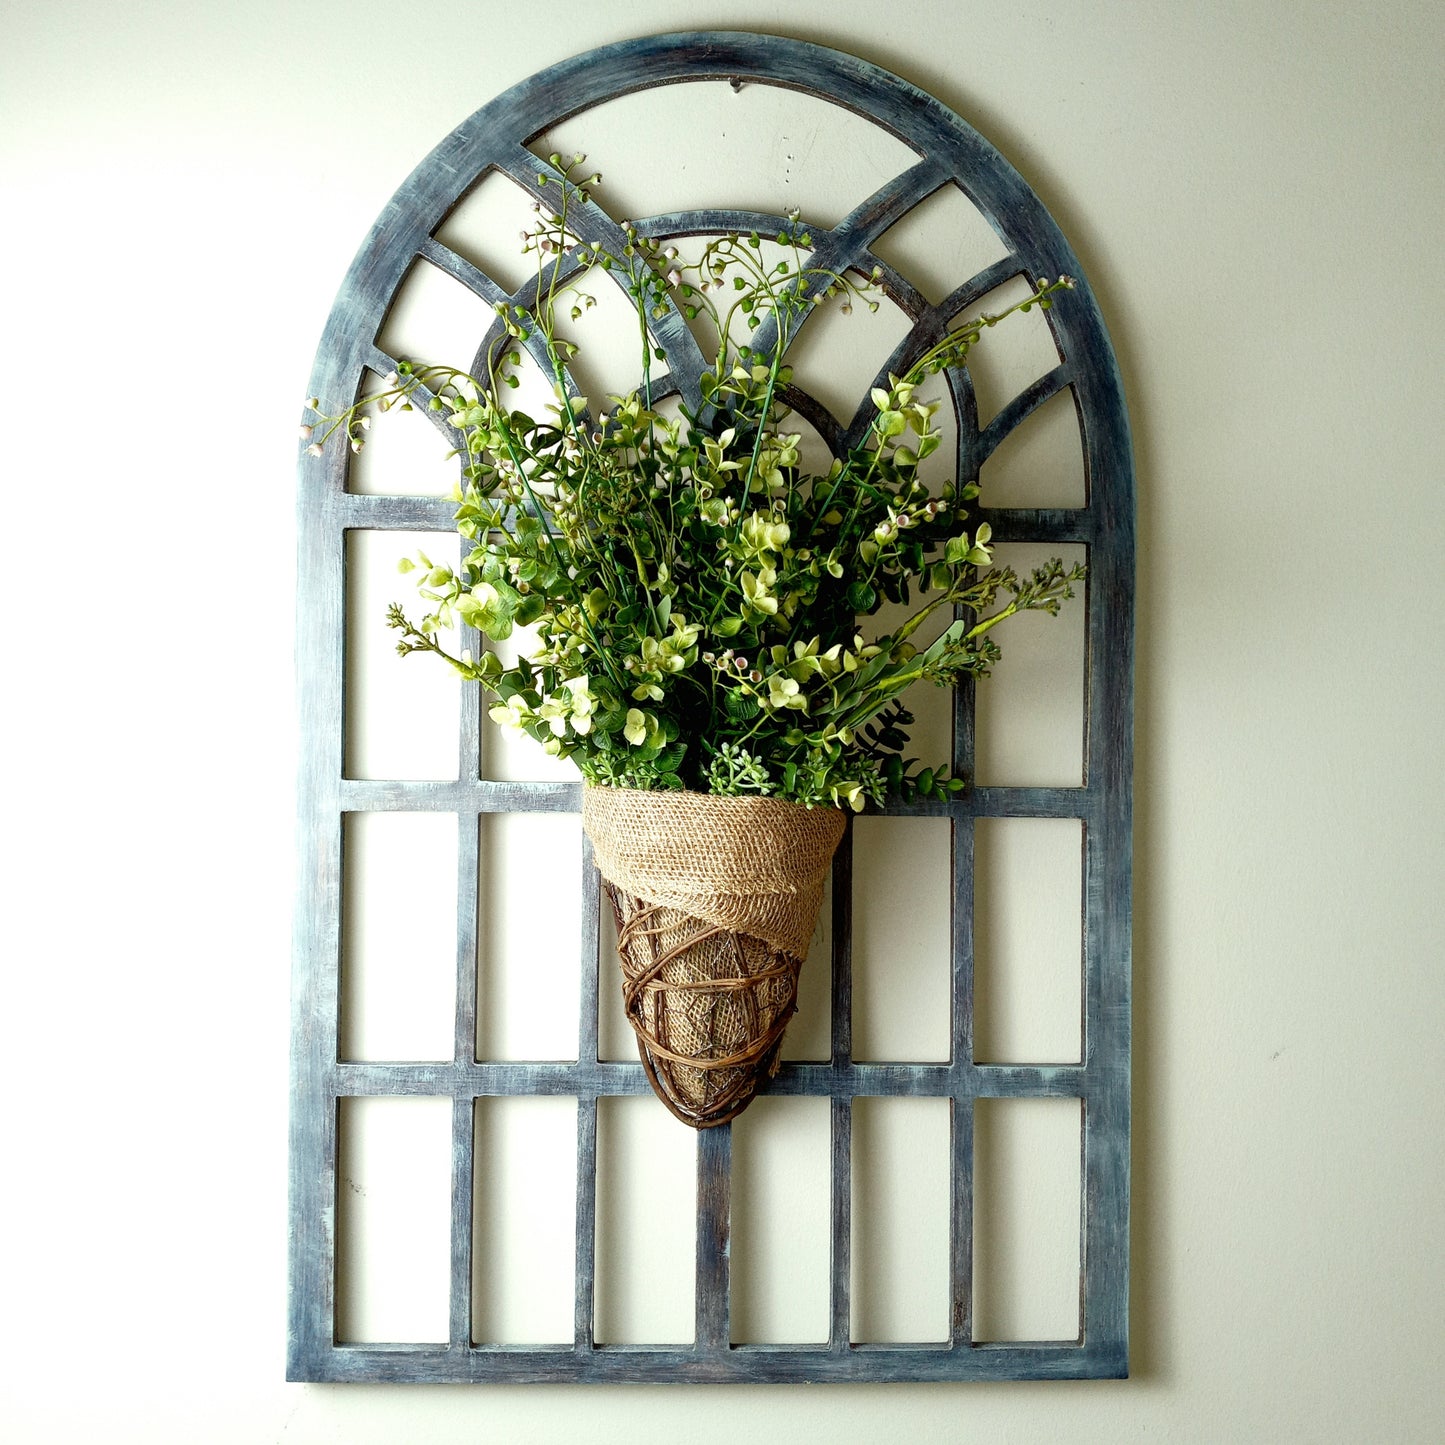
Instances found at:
x=949 y=151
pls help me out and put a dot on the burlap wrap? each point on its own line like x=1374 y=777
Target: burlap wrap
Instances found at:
x=715 y=900
x=751 y=864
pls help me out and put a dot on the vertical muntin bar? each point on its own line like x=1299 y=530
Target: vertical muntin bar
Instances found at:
x=840 y=1323
x=463 y=1159
x=586 y=1275
x=714 y=1237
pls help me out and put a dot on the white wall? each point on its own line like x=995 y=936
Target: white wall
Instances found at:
x=1256 y=195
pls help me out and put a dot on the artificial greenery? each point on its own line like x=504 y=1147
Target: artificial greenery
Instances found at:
x=699 y=602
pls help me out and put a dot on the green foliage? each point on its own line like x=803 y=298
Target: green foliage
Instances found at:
x=698 y=601
x=734 y=770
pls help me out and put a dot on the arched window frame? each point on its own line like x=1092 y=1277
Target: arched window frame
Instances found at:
x=949 y=150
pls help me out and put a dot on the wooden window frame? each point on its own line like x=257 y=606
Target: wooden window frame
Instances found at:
x=949 y=150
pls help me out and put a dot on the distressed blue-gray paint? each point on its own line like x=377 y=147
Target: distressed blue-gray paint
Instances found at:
x=948 y=150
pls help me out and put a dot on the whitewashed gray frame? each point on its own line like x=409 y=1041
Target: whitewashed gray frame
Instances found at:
x=949 y=150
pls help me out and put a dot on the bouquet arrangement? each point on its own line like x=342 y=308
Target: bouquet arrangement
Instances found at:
x=699 y=607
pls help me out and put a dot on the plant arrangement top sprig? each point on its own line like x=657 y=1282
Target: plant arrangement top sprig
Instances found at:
x=699 y=602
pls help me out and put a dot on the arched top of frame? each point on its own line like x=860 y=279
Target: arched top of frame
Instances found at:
x=947 y=150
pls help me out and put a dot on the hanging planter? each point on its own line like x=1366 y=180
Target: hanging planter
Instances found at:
x=715 y=901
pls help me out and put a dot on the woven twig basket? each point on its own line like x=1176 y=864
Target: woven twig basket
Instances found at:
x=715 y=900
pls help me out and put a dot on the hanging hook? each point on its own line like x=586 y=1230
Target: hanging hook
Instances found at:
x=736 y=84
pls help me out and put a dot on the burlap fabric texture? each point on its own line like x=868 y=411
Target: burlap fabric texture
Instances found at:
x=715 y=901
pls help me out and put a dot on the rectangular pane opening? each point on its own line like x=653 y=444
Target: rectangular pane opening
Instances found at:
x=1030 y=711
x=1026 y=1213
x=1028 y=948
x=902 y=950
x=393 y=1220
x=780 y=1221
x=402 y=714
x=524 y=1191
x=646 y=1224
x=399 y=960
x=529 y=935
x=901 y=1172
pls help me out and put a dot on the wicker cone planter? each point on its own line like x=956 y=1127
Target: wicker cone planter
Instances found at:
x=715 y=900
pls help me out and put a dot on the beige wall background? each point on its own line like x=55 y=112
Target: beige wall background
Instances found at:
x=1257 y=197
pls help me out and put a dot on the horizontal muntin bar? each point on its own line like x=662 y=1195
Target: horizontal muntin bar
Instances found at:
x=615 y=1079
x=388 y=512
x=1038 y=524
x=485 y=795
x=665 y=1364
x=457 y=795
x=1001 y=802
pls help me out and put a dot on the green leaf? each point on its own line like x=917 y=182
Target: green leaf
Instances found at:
x=670 y=758
x=739 y=706
x=490 y=608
